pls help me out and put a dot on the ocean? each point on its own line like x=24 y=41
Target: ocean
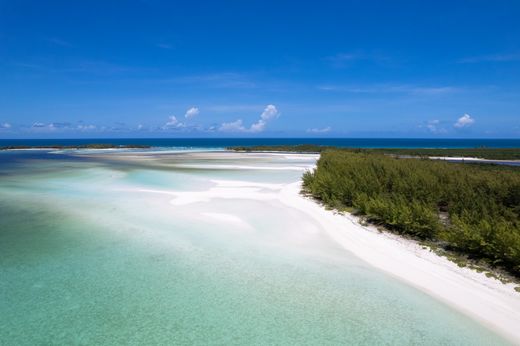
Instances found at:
x=227 y=142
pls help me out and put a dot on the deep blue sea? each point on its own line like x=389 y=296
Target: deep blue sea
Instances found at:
x=226 y=142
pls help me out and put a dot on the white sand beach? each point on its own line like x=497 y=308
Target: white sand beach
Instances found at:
x=485 y=299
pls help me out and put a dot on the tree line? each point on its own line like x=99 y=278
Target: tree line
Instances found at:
x=468 y=208
x=481 y=153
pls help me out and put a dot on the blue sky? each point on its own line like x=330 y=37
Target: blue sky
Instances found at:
x=259 y=68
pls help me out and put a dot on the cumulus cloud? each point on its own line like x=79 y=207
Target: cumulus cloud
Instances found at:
x=270 y=112
x=464 y=121
x=38 y=125
x=5 y=126
x=191 y=113
x=319 y=130
x=173 y=123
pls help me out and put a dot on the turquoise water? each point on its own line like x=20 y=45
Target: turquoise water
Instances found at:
x=226 y=142
x=93 y=252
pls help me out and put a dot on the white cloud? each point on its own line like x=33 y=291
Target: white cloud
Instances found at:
x=172 y=123
x=319 y=130
x=5 y=126
x=191 y=113
x=270 y=112
x=234 y=126
x=464 y=121
x=38 y=125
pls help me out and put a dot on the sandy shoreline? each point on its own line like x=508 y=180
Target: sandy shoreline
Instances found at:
x=487 y=300
x=484 y=299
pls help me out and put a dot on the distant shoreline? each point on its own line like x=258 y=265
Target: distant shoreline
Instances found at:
x=74 y=147
x=480 y=153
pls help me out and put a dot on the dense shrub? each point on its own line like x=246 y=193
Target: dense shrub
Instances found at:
x=408 y=196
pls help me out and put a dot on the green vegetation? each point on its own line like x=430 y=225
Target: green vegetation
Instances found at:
x=83 y=146
x=302 y=148
x=464 y=208
x=483 y=153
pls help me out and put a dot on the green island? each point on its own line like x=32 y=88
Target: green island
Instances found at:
x=72 y=147
x=481 y=153
x=468 y=210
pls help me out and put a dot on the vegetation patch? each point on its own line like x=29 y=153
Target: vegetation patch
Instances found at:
x=469 y=210
x=481 y=153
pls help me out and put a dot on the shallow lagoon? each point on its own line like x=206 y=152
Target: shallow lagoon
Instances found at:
x=98 y=249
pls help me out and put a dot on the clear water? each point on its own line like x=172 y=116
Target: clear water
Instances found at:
x=205 y=143
x=90 y=256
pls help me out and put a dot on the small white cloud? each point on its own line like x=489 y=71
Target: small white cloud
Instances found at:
x=434 y=126
x=191 y=113
x=38 y=125
x=319 y=130
x=234 y=126
x=173 y=123
x=270 y=112
x=464 y=121
x=5 y=126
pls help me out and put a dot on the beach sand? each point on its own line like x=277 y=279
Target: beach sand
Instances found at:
x=484 y=299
